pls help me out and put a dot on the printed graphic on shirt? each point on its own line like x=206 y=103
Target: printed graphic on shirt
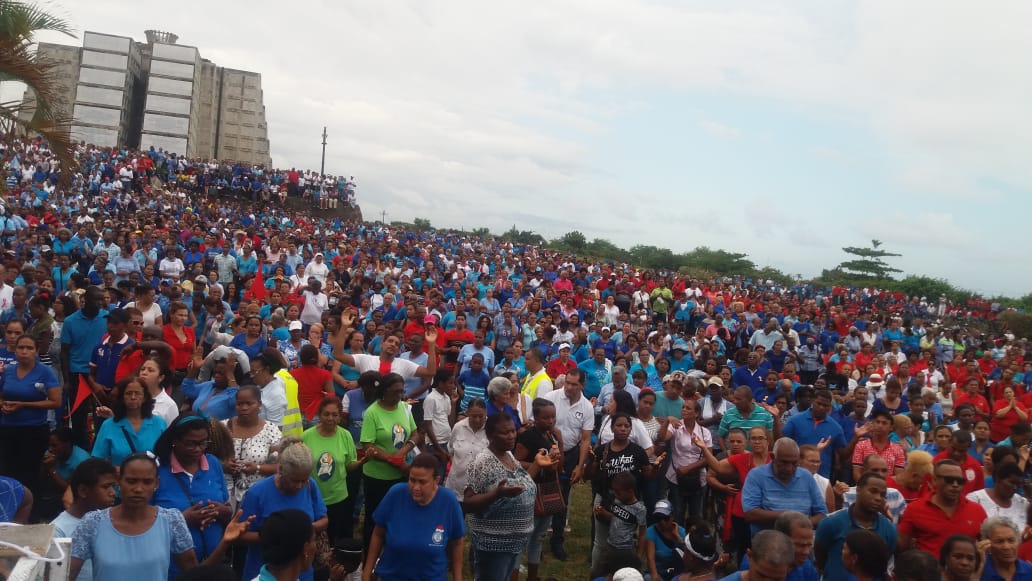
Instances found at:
x=400 y=437
x=326 y=466
x=437 y=539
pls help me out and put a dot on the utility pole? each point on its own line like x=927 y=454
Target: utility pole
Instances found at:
x=322 y=167
x=383 y=217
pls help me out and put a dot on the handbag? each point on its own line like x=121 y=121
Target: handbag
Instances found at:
x=549 y=498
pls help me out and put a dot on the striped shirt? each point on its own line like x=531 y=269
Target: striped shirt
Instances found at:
x=734 y=419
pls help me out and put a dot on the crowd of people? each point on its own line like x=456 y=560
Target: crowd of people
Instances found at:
x=203 y=388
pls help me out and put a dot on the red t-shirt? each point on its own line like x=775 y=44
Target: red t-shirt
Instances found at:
x=930 y=526
x=980 y=403
x=311 y=381
x=556 y=367
x=1000 y=428
x=972 y=472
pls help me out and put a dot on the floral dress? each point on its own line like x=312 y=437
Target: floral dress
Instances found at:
x=258 y=449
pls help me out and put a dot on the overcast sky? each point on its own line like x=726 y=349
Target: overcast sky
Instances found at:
x=782 y=130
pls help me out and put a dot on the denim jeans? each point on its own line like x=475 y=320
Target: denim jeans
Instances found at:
x=537 y=539
x=490 y=566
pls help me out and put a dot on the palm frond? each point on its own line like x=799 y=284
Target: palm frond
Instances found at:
x=19 y=21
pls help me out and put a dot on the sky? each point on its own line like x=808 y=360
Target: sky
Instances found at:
x=783 y=130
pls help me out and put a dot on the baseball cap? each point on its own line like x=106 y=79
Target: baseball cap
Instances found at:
x=663 y=507
x=564 y=346
x=295 y=326
x=715 y=381
x=201 y=279
x=628 y=574
x=167 y=281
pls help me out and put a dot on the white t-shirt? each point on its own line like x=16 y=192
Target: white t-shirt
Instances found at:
x=402 y=367
x=151 y=316
x=1017 y=511
x=436 y=408
x=166 y=408
x=571 y=418
x=274 y=401
x=639 y=435
x=171 y=268
x=315 y=304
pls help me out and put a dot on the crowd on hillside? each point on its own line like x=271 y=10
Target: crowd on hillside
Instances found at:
x=194 y=386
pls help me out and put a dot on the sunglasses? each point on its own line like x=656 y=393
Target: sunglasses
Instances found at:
x=954 y=480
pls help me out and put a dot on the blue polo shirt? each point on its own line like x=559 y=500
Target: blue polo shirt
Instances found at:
x=1023 y=572
x=805 y=430
x=763 y=490
x=79 y=336
x=831 y=534
x=754 y=379
x=105 y=359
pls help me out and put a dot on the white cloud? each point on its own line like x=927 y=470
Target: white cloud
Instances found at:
x=720 y=130
x=465 y=111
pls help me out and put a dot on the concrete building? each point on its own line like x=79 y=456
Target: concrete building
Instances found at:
x=160 y=94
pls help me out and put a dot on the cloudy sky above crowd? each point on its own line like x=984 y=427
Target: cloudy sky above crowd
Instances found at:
x=782 y=130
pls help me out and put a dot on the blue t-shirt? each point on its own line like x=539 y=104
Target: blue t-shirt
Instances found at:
x=663 y=550
x=804 y=572
x=253 y=350
x=221 y=405
x=31 y=388
x=113 y=438
x=66 y=468
x=263 y=499
x=79 y=336
x=417 y=536
x=144 y=556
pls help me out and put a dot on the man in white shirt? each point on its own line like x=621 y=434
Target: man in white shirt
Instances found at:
x=575 y=420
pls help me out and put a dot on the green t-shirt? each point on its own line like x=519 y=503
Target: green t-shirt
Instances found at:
x=332 y=456
x=389 y=431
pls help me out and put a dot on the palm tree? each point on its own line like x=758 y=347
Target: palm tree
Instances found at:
x=19 y=23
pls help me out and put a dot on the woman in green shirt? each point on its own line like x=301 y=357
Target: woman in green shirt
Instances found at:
x=333 y=451
x=388 y=430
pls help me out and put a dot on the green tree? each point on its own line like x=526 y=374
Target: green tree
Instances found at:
x=422 y=224
x=718 y=261
x=869 y=263
x=573 y=241
x=483 y=233
x=19 y=23
x=603 y=248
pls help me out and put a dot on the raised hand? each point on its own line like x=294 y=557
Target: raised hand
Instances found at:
x=505 y=490
x=347 y=319
x=431 y=335
x=823 y=443
x=237 y=527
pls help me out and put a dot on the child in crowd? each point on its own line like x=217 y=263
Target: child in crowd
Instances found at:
x=624 y=516
x=473 y=382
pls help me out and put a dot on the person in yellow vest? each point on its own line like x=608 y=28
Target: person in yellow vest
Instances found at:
x=537 y=382
x=279 y=391
x=292 y=418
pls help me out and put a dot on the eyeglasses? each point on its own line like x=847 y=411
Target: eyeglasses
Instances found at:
x=954 y=480
x=201 y=444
